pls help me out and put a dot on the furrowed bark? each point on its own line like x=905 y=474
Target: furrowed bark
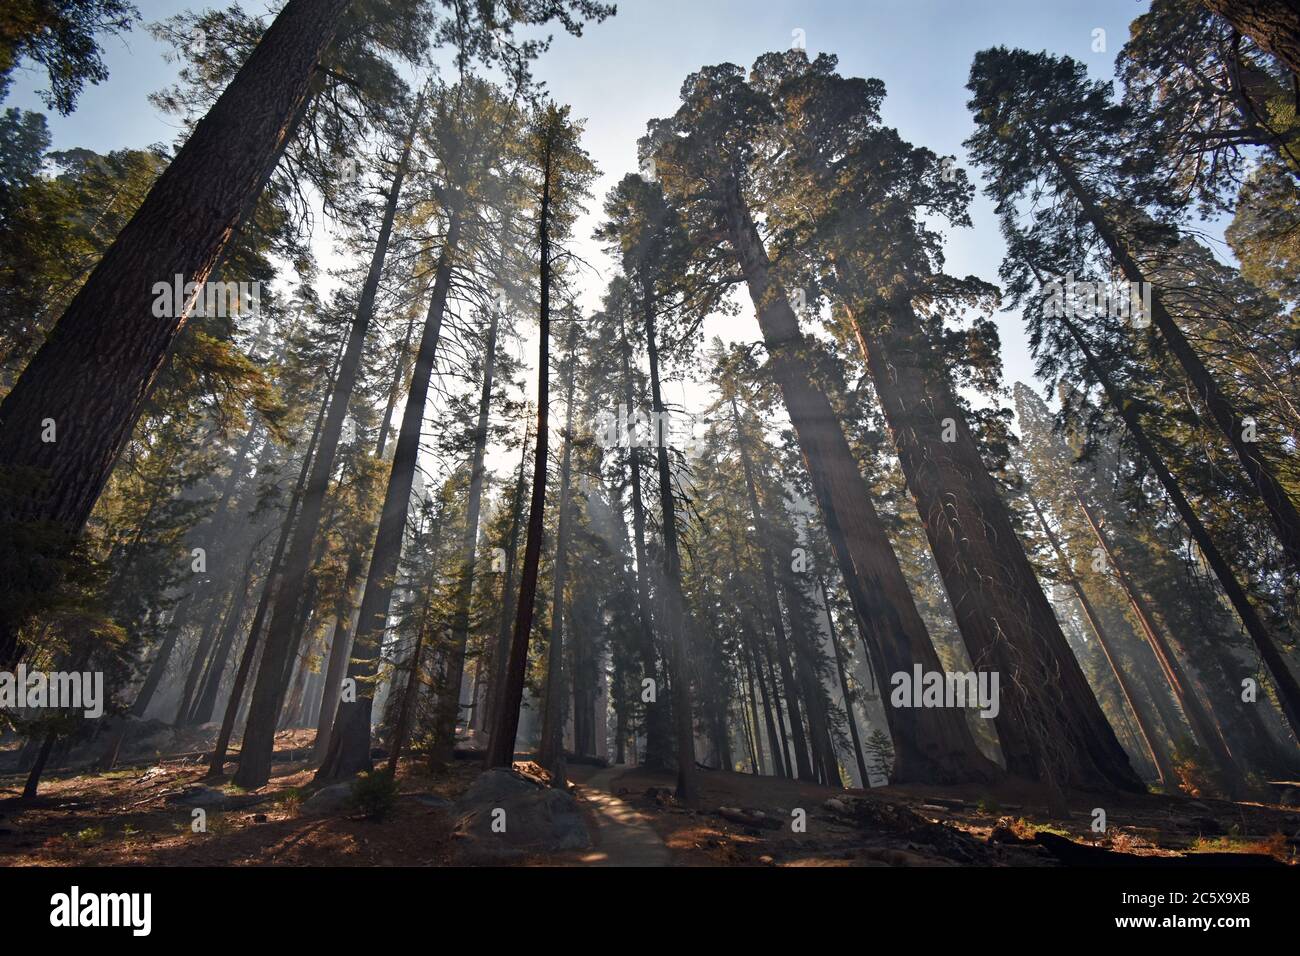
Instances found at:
x=95 y=369
x=931 y=744
x=1050 y=726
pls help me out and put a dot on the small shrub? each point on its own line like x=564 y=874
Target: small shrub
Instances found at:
x=291 y=799
x=374 y=795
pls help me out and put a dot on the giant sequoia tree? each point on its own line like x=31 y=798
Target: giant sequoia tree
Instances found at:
x=856 y=194
x=709 y=155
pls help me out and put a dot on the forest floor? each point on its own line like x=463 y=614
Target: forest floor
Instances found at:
x=935 y=826
x=135 y=815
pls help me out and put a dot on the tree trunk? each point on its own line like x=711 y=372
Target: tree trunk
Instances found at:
x=1273 y=24
x=340 y=649
x=196 y=669
x=449 y=702
x=408 y=704
x=1189 y=696
x=282 y=636
x=505 y=722
x=349 y=746
x=674 y=602
x=394 y=389
x=809 y=658
x=551 y=752
x=801 y=756
x=749 y=716
x=620 y=722
x=159 y=664
x=932 y=745
x=769 y=724
x=1050 y=726
x=216 y=766
x=775 y=697
x=501 y=653
x=210 y=687
x=748 y=640
x=844 y=688
x=97 y=365
x=819 y=735
x=157 y=667
x=38 y=767
x=412 y=689
x=656 y=729
x=341 y=642
x=1288 y=688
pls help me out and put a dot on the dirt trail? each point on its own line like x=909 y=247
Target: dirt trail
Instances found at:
x=624 y=836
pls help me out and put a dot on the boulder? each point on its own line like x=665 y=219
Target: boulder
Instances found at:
x=336 y=798
x=750 y=818
x=536 y=819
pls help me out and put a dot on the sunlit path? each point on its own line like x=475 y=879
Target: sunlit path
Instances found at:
x=623 y=837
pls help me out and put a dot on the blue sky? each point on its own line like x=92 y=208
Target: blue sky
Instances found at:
x=629 y=68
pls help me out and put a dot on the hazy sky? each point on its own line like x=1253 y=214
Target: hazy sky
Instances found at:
x=630 y=68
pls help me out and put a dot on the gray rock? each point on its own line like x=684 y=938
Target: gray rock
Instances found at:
x=537 y=819
x=335 y=798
